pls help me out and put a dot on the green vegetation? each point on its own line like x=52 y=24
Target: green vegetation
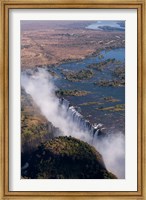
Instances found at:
x=62 y=92
x=110 y=99
x=100 y=56
x=35 y=128
x=91 y=103
x=67 y=158
x=78 y=75
x=111 y=83
x=116 y=108
x=118 y=62
x=53 y=73
x=101 y=65
x=33 y=132
x=119 y=72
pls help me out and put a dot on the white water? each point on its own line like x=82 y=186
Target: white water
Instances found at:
x=71 y=123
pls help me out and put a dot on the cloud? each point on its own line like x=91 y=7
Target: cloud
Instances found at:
x=41 y=87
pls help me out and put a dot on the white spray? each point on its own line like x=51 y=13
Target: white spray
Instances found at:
x=42 y=89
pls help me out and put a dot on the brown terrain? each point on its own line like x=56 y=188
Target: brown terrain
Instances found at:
x=45 y=43
x=35 y=128
x=50 y=43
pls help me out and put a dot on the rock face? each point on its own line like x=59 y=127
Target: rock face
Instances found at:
x=67 y=158
x=35 y=128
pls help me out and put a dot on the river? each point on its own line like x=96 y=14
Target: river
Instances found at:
x=90 y=105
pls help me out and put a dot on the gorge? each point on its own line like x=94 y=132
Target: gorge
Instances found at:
x=72 y=98
x=39 y=84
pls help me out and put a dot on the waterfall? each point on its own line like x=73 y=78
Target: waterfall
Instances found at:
x=58 y=110
x=39 y=84
x=79 y=120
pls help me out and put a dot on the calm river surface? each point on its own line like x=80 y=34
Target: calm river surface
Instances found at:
x=89 y=105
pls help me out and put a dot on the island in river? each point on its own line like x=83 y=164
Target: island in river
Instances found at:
x=87 y=66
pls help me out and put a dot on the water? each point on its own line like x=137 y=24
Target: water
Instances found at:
x=80 y=121
x=101 y=23
x=62 y=114
x=57 y=110
x=113 y=121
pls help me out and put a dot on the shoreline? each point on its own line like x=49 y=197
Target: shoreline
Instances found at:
x=67 y=61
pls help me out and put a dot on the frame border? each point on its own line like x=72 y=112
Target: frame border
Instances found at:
x=5 y=5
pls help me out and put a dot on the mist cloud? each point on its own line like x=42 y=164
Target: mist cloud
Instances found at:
x=42 y=90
